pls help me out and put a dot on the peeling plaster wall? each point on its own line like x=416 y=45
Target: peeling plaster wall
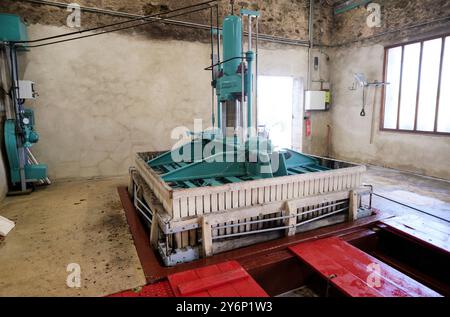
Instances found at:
x=423 y=154
x=282 y=18
x=102 y=100
x=395 y=15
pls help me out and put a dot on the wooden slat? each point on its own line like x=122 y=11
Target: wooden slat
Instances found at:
x=206 y=237
x=184 y=207
x=353 y=205
x=176 y=209
x=207 y=204
x=426 y=231
x=199 y=208
x=191 y=206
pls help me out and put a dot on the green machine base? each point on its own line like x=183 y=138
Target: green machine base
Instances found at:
x=33 y=172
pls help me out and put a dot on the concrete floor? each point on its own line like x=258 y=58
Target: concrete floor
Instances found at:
x=83 y=222
x=427 y=194
x=68 y=222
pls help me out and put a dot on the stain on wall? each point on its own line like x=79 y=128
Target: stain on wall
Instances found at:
x=423 y=154
x=103 y=99
x=395 y=15
x=285 y=18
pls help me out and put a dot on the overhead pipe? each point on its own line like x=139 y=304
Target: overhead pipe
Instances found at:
x=152 y=17
x=262 y=37
x=311 y=41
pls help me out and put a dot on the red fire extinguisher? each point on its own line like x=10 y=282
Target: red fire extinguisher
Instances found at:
x=308 y=124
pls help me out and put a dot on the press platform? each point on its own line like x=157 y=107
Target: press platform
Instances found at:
x=408 y=258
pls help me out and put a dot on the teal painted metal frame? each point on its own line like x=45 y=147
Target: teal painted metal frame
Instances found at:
x=230 y=161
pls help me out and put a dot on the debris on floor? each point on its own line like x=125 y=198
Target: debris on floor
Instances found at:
x=6 y=226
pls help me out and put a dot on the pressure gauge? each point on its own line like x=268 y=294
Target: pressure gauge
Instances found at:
x=26 y=121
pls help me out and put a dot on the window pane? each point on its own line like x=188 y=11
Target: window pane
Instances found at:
x=444 y=102
x=429 y=80
x=394 y=60
x=409 y=86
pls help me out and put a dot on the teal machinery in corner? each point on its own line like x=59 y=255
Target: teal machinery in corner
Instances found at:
x=252 y=156
x=19 y=132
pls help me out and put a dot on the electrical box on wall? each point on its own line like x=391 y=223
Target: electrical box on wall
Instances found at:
x=317 y=100
x=26 y=90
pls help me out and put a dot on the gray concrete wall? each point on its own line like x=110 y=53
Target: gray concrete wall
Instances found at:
x=424 y=154
x=351 y=134
x=103 y=99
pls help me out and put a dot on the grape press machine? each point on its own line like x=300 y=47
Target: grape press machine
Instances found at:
x=228 y=187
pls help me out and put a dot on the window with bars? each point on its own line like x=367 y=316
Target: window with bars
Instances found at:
x=417 y=98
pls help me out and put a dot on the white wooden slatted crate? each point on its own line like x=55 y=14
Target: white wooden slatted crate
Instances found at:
x=180 y=212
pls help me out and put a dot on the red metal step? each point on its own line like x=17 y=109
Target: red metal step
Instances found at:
x=227 y=279
x=356 y=273
x=159 y=289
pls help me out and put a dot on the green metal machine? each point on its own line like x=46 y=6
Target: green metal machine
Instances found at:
x=231 y=152
x=19 y=132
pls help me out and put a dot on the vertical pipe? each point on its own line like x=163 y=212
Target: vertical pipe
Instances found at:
x=241 y=106
x=212 y=68
x=311 y=40
x=219 y=114
x=14 y=82
x=249 y=85
x=256 y=74
x=4 y=81
x=249 y=33
x=17 y=110
x=218 y=34
x=219 y=110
